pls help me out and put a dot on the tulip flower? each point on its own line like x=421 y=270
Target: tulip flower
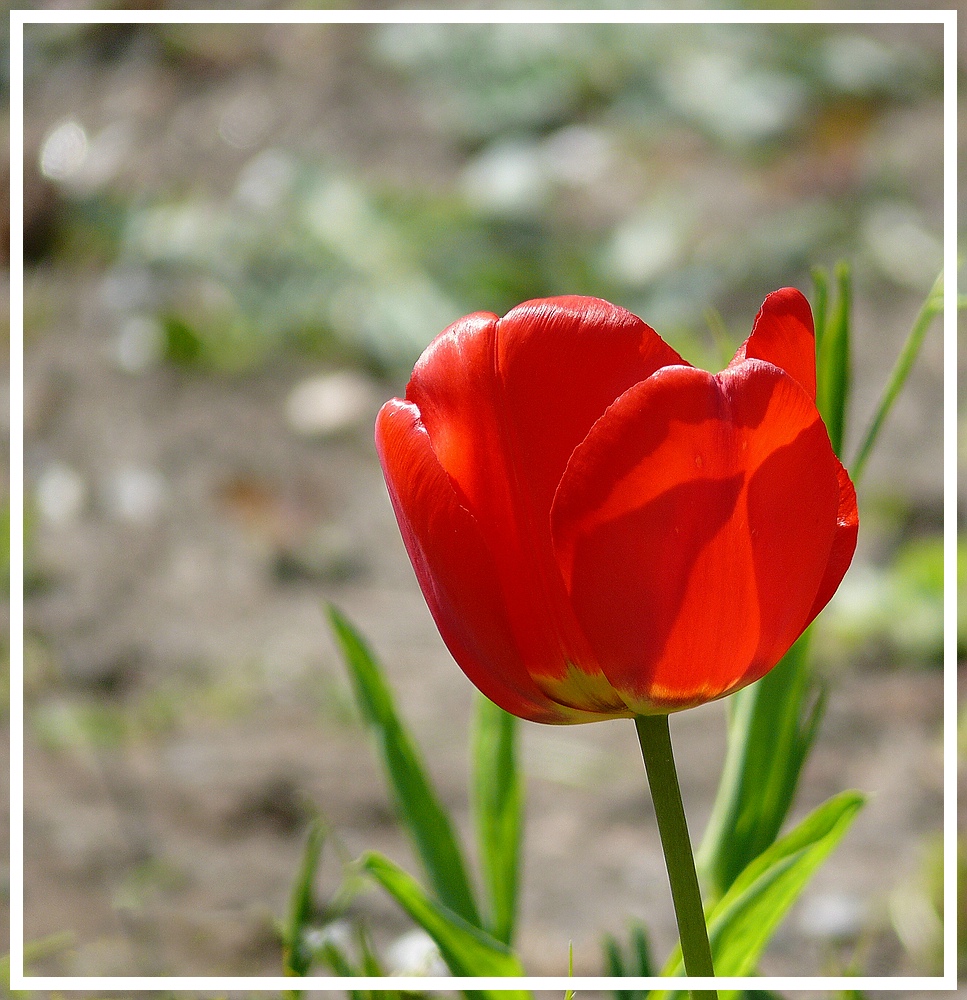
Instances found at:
x=603 y=531
x=600 y=529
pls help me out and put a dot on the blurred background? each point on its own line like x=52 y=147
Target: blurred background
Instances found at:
x=238 y=241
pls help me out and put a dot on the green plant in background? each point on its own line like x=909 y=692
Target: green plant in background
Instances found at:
x=751 y=873
x=316 y=257
x=474 y=935
x=470 y=936
x=35 y=951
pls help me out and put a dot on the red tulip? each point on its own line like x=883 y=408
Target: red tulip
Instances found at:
x=601 y=530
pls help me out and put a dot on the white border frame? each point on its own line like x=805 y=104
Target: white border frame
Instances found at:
x=18 y=18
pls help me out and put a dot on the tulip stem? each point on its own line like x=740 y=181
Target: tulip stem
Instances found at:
x=656 y=749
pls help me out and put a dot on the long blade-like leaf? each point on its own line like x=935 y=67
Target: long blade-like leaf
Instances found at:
x=772 y=725
x=931 y=308
x=423 y=815
x=498 y=802
x=467 y=950
x=742 y=922
x=820 y=305
x=638 y=965
x=833 y=364
x=296 y=955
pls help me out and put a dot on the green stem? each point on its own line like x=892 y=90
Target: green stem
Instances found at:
x=932 y=307
x=656 y=749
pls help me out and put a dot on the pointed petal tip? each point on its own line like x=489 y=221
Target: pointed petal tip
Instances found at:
x=788 y=309
x=790 y=300
x=783 y=334
x=395 y=417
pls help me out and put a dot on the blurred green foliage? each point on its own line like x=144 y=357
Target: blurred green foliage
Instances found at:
x=894 y=611
x=586 y=158
x=34 y=951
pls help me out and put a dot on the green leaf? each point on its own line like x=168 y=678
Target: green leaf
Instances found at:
x=35 y=951
x=368 y=965
x=336 y=959
x=742 y=922
x=613 y=959
x=423 y=815
x=833 y=364
x=639 y=964
x=498 y=802
x=296 y=956
x=772 y=726
x=183 y=346
x=642 y=952
x=569 y=993
x=820 y=305
x=931 y=308
x=467 y=950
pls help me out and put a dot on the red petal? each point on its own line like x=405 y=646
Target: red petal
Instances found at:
x=693 y=528
x=844 y=543
x=563 y=362
x=460 y=397
x=512 y=398
x=454 y=388
x=504 y=404
x=783 y=335
x=455 y=569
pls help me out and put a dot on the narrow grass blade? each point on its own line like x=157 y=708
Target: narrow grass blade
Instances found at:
x=467 y=950
x=613 y=959
x=742 y=922
x=369 y=962
x=336 y=959
x=820 y=305
x=639 y=963
x=296 y=955
x=498 y=802
x=366 y=964
x=772 y=726
x=569 y=993
x=641 y=950
x=931 y=308
x=423 y=815
x=833 y=363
